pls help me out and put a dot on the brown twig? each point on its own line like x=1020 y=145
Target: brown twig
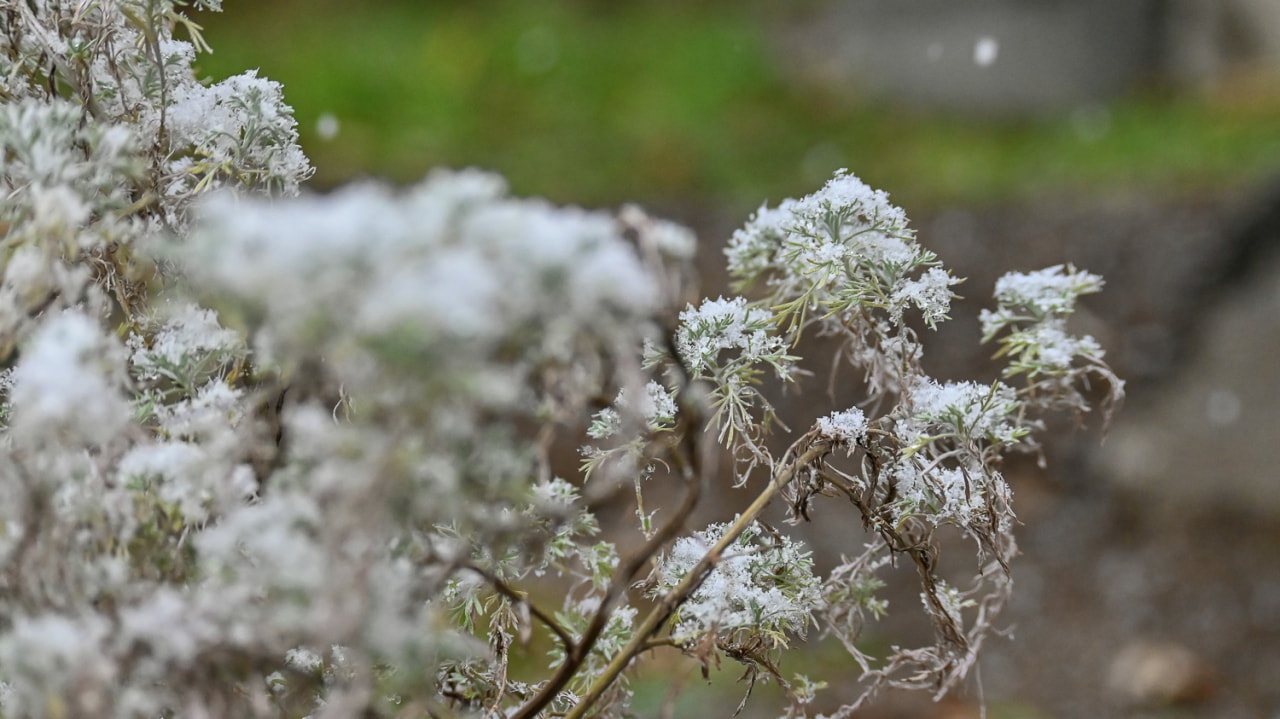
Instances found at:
x=511 y=593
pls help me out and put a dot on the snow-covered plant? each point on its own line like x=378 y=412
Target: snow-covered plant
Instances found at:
x=323 y=456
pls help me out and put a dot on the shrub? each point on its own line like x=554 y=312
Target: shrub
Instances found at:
x=284 y=456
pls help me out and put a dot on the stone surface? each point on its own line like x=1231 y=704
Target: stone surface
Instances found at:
x=1212 y=436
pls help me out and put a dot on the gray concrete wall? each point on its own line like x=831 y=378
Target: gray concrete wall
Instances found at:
x=1050 y=55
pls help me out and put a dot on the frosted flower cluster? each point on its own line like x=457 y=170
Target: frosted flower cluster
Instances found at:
x=68 y=384
x=762 y=586
x=1053 y=290
x=845 y=220
x=844 y=259
x=1055 y=349
x=1031 y=321
x=732 y=342
x=47 y=167
x=947 y=495
x=848 y=425
x=931 y=294
x=451 y=269
x=845 y=242
x=722 y=324
x=969 y=409
x=136 y=81
x=656 y=405
x=238 y=128
x=656 y=408
x=182 y=333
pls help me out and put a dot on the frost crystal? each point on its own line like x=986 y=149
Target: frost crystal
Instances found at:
x=847 y=426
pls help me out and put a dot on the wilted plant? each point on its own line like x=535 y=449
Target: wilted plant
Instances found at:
x=348 y=504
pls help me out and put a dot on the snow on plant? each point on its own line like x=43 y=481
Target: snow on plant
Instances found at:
x=283 y=457
x=767 y=590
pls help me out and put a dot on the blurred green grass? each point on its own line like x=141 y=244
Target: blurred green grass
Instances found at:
x=678 y=103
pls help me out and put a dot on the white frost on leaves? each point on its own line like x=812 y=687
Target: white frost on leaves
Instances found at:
x=58 y=211
x=48 y=145
x=657 y=404
x=944 y=494
x=1034 y=308
x=170 y=627
x=554 y=495
x=48 y=654
x=974 y=408
x=451 y=267
x=618 y=630
x=952 y=600
x=216 y=407
x=304 y=660
x=193 y=477
x=68 y=382
x=757 y=584
x=186 y=333
x=1051 y=291
x=723 y=324
x=237 y=122
x=845 y=193
x=1055 y=349
x=842 y=246
x=931 y=294
x=656 y=408
x=849 y=425
x=605 y=424
x=752 y=248
x=798 y=234
x=273 y=544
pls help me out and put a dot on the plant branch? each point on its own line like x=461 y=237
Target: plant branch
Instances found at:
x=516 y=596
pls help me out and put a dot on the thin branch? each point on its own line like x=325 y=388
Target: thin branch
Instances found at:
x=514 y=595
